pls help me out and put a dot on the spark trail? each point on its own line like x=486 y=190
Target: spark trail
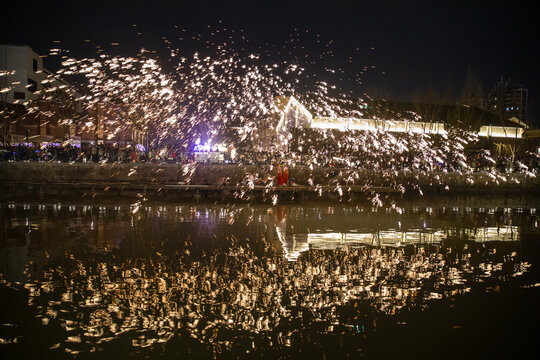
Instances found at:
x=229 y=96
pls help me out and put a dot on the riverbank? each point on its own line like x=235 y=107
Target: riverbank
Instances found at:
x=233 y=182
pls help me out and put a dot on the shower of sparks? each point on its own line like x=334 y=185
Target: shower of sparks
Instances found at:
x=230 y=97
x=138 y=87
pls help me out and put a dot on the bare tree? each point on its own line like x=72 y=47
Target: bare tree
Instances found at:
x=470 y=100
x=472 y=93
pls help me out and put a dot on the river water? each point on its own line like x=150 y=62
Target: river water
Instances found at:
x=429 y=279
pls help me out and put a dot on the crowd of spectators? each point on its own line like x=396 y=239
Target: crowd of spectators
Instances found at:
x=114 y=153
x=109 y=153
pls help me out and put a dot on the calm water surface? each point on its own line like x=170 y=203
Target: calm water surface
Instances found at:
x=239 y=282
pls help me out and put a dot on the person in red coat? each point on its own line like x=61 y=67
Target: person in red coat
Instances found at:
x=279 y=175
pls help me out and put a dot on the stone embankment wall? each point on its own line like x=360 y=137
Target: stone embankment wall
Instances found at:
x=42 y=177
x=214 y=174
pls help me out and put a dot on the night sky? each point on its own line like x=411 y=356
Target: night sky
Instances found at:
x=407 y=47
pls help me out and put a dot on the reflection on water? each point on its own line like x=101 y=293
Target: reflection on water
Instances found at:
x=241 y=280
x=295 y=244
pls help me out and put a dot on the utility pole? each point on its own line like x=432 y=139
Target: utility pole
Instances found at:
x=146 y=148
x=96 y=129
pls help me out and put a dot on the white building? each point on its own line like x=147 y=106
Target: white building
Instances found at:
x=24 y=79
x=21 y=74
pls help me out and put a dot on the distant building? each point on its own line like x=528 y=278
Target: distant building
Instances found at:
x=37 y=105
x=295 y=115
x=104 y=123
x=22 y=74
x=292 y=115
x=49 y=123
x=24 y=79
x=509 y=101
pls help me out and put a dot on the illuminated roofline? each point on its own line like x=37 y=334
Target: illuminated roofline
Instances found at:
x=501 y=132
x=292 y=101
x=404 y=126
x=347 y=124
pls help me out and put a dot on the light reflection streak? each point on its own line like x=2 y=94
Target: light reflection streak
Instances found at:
x=221 y=293
x=150 y=303
x=295 y=244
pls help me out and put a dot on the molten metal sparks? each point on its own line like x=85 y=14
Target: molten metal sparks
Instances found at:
x=245 y=100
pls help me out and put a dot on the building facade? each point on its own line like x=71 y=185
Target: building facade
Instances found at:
x=22 y=74
x=45 y=105
x=509 y=101
x=23 y=78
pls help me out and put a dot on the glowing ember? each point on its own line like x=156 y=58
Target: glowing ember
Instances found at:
x=246 y=100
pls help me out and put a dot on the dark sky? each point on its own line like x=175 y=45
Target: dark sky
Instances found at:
x=417 y=44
